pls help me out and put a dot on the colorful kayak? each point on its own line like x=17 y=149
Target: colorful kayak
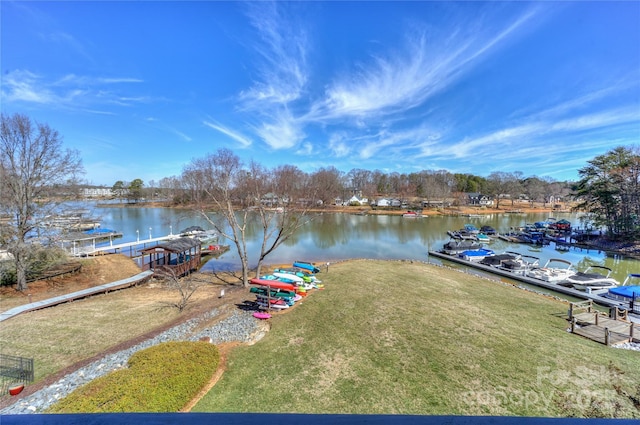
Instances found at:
x=296 y=270
x=273 y=284
x=262 y=316
x=304 y=274
x=307 y=266
x=279 y=278
x=273 y=293
x=289 y=276
x=263 y=299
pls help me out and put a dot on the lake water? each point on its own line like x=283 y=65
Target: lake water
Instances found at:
x=338 y=236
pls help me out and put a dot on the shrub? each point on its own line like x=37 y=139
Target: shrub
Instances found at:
x=163 y=378
x=39 y=259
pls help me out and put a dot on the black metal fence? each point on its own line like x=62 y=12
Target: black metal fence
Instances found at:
x=14 y=370
x=635 y=304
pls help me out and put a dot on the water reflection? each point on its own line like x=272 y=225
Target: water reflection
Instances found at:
x=331 y=237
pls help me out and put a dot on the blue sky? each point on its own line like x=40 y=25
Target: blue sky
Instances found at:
x=141 y=88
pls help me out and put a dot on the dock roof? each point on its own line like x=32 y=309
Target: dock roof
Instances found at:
x=174 y=245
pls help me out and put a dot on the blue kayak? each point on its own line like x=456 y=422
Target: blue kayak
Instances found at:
x=307 y=266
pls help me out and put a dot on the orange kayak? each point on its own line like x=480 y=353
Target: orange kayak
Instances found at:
x=274 y=284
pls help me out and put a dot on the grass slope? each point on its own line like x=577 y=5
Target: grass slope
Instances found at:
x=409 y=338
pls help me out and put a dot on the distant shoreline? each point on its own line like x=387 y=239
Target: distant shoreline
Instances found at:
x=631 y=249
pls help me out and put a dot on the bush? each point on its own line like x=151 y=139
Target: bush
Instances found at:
x=39 y=260
x=163 y=378
x=42 y=258
x=7 y=273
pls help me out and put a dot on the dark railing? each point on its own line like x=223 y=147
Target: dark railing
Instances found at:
x=14 y=370
x=162 y=266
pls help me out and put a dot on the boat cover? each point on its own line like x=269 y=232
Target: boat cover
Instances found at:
x=626 y=291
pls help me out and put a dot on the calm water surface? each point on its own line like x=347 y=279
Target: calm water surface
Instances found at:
x=338 y=236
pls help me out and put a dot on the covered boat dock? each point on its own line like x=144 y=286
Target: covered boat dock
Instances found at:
x=178 y=257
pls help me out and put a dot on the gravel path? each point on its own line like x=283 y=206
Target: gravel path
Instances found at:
x=239 y=326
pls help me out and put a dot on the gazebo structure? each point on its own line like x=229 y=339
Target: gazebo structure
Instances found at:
x=178 y=257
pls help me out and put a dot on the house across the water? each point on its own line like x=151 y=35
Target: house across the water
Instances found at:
x=177 y=257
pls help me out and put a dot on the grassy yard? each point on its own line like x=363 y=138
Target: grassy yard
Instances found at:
x=60 y=336
x=409 y=338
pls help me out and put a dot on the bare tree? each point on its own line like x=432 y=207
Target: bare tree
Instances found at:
x=32 y=160
x=184 y=286
x=237 y=196
x=295 y=196
x=328 y=183
x=535 y=189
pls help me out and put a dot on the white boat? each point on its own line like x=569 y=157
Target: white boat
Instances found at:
x=520 y=265
x=412 y=214
x=455 y=247
x=590 y=280
x=476 y=255
x=552 y=274
x=513 y=262
x=481 y=237
x=206 y=237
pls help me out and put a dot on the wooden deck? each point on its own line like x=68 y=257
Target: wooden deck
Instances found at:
x=599 y=327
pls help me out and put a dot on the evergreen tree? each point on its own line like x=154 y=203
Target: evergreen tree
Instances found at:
x=610 y=189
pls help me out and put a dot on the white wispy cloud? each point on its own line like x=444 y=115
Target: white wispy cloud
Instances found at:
x=306 y=149
x=27 y=87
x=69 y=91
x=406 y=143
x=282 y=68
x=401 y=79
x=238 y=137
x=282 y=131
x=180 y=134
x=544 y=143
x=338 y=144
x=281 y=78
x=66 y=39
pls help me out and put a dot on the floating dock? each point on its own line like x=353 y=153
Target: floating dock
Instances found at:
x=598 y=299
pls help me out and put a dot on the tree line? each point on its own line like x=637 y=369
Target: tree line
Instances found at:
x=428 y=185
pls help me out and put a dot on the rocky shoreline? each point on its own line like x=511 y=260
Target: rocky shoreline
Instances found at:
x=239 y=326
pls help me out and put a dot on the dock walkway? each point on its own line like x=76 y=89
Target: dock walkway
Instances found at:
x=115 y=248
x=50 y=302
x=531 y=281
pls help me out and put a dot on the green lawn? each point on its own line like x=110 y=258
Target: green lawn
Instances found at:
x=411 y=338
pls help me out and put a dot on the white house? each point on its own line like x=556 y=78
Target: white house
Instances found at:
x=97 y=192
x=357 y=200
x=479 y=199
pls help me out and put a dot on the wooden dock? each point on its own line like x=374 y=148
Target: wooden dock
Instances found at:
x=597 y=326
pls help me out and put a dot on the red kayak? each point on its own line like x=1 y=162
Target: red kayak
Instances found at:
x=274 y=284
